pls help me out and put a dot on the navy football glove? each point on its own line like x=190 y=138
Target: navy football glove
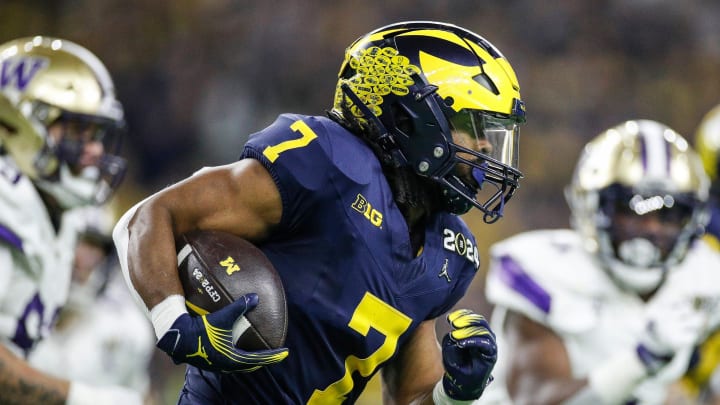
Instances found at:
x=469 y=353
x=206 y=341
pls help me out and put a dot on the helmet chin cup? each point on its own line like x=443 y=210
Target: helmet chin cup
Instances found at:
x=637 y=265
x=94 y=185
x=638 y=252
x=454 y=199
x=68 y=190
x=641 y=280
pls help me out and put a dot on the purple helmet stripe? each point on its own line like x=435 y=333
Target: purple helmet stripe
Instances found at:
x=668 y=157
x=643 y=152
x=513 y=275
x=655 y=149
x=10 y=237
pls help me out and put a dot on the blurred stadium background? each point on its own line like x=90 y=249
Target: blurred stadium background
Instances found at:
x=196 y=77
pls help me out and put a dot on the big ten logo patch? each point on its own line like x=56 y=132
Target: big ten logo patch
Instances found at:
x=462 y=245
x=364 y=207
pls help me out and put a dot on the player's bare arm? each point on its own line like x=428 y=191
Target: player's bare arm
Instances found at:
x=539 y=369
x=22 y=384
x=240 y=198
x=410 y=378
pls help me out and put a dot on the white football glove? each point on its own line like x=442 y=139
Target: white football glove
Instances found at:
x=671 y=327
x=85 y=394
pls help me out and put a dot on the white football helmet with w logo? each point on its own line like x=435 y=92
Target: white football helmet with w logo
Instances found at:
x=45 y=81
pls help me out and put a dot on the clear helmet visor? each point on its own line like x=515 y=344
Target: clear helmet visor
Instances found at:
x=498 y=137
x=485 y=152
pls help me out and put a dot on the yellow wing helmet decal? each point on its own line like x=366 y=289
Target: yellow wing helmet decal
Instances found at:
x=495 y=66
x=382 y=71
x=457 y=81
x=379 y=72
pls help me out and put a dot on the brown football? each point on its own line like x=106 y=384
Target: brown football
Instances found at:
x=216 y=268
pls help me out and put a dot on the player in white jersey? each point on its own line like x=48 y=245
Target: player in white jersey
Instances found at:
x=612 y=311
x=101 y=337
x=58 y=117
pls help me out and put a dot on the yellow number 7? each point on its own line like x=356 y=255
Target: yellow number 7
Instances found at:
x=372 y=312
x=273 y=152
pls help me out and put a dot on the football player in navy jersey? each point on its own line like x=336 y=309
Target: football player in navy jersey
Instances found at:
x=358 y=212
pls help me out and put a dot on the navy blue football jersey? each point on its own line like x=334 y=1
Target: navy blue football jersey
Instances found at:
x=355 y=289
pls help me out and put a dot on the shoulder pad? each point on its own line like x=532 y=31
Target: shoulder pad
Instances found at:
x=547 y=276
x=310 y=158
x=310 y=149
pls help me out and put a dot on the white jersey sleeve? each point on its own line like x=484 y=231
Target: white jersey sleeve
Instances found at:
x=36 y=261
x=547 y=276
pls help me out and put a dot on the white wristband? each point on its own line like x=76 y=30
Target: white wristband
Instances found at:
x=614 y=380
x=441 y=398
x=164 y=314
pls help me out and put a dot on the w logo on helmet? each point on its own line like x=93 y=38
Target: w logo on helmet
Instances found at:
x=20 y=71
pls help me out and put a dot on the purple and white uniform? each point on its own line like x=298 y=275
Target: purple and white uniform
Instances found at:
x=549 y=277
x=35 y=261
